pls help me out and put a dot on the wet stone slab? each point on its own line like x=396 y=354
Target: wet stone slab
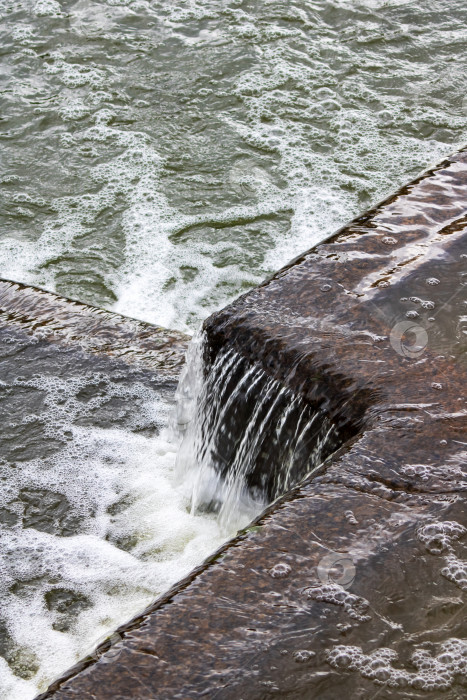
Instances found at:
x=55 y=319
x=355 y=582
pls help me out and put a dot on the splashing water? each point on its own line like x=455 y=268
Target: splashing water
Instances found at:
x=246 y=439
x=87 y=489
x=161 y=158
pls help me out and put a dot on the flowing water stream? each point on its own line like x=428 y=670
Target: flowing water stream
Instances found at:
x=159 y=157
x=246 y=439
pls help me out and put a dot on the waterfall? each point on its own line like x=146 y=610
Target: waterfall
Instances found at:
x=245 y=438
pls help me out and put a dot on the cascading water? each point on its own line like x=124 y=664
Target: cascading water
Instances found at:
x=246 y=439
x=161 y=158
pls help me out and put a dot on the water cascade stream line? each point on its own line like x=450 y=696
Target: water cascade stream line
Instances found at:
x=245 y=439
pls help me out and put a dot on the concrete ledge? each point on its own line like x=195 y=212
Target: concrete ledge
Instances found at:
x=64 y=321
x=268 y=616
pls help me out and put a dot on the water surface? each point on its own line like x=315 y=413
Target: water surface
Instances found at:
x=161 y=157
x=158 y=159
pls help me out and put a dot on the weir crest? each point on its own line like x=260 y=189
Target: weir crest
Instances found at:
x=245 y=438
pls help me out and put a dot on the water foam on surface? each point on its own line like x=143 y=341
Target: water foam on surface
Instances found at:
x=435 y=668
x=173 y=155
x=432 y=665
x=84 y=508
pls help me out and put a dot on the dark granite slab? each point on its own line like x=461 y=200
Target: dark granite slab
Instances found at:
x=369 y=554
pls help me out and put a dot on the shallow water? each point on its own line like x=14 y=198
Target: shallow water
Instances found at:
x=159 y=159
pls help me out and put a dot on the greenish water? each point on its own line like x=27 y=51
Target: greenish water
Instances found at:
x=158 y=159
x=162 y=157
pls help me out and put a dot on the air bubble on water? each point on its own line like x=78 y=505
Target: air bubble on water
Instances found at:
x=389 y=240
x=455 y=570
x=351 y=517
x=436 y=385
x=280 y=570
x=23 y=33
x=412 y=314
x=444 y=473
x=47 y=8
x=432 y=281
x=419 y=471
x=303 y=655
x=355 y=606
x=344 y=627
x=438 y=537
x=434 y=672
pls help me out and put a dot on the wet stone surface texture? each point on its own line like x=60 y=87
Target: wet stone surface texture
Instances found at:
x=355 y=583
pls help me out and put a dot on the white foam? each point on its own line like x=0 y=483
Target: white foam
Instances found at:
x=48 y=8
x=439 y=537
x=306 y=139
x=95 y=470
x=435 y=668
x=355 y=606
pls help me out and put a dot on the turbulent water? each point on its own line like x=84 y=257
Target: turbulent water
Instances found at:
x=159 y=158
x=87 y=490
x=246 y=439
